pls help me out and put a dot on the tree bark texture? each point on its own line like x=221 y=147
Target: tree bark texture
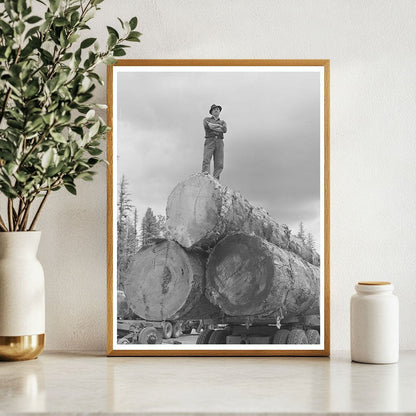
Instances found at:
x=248 y=276
x=200 y=212
x=164 y=281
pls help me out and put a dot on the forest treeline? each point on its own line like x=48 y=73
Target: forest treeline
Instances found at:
x=132 y=232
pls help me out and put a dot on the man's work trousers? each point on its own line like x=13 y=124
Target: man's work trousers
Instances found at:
x=213 y=147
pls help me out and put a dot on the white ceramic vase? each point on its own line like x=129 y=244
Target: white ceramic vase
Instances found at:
x=22 y=296
x=374 y=323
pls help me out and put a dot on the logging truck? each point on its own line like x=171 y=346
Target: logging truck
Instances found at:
x=130 y=327
x=229 y=265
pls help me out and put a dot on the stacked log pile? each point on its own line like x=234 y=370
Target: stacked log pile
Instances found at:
x=255 y=267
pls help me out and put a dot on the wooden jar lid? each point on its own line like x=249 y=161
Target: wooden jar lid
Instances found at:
x=374 y=283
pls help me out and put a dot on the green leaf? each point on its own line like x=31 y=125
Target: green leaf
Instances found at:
x=27 y=11
x=112 y=40
x=121 y=22
x=21 y=5
x=60 y=138
x=11 y=168
x=86 y=176
x=90 y=14
x=92 y=161
x=20 y=28
x=94 y=129
x=53 y=83
x=67 y=56
x=94 y=151
x=54 y=4
x=33 y=19
x=31 y=90
x=10 y=7
x=74 y=18
x=111 y=30
x=47 y=158
x=90 y=114
x=78 y=154
x=110 y=60
x=16 y=124
x=52 y=171
x=133 y=23
x=63 y=41
x=7 y=30
x=73 y=38
x=135 y=34
x=83 y=98
x=8 y=191
x=32 y=31
x=48 y=118
x=21 y=177
x=87 y=42
x=134 y=37
x=70 y=188
x=61 y=21
x=119 y=52
x=67 y=153
x=35 y=125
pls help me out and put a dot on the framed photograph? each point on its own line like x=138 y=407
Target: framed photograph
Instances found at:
x=218 y=208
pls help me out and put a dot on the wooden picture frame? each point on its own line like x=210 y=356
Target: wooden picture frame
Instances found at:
x=264 y=290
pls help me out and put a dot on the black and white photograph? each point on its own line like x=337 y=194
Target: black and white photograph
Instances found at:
x=219 y=228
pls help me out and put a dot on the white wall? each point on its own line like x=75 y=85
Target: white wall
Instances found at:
x=371 y=45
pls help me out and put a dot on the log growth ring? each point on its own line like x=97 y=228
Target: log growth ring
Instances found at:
x=239 y=274
x=160 y=281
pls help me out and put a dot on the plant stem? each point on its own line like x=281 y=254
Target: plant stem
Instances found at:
x=17 y=217
x=2 y=224
x=26 y=216
x=3 y=109
x=39 y=209
x=10 y=213
x=20 y=213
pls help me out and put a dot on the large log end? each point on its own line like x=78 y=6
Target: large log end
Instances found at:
x=239 y=275
x=246 y=275
x=164 y=281
x=193 y=209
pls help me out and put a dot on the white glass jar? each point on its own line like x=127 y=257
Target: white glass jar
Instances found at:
x=374 y=323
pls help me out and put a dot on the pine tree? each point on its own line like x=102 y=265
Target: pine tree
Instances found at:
x=288 y=234
x=161 y=224
x=301 y=233
x=310 y=241
x=127 y=238
x=150 y=228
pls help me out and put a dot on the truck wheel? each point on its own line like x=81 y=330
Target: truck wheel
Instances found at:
x=203 y=337
x=149 y=335
x=186 y=328
x=177 y=330
x=313 y=336
x=297 y=336
x=219 y=336
x=167 y=329
x=280 y=337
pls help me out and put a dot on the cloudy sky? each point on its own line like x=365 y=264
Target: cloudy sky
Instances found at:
x=272 y=153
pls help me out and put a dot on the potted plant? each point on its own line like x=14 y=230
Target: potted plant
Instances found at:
x=50 y=136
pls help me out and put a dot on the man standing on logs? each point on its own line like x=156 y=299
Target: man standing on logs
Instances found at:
x=214 y=141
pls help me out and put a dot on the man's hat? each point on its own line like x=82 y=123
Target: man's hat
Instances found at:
x=214 y=106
